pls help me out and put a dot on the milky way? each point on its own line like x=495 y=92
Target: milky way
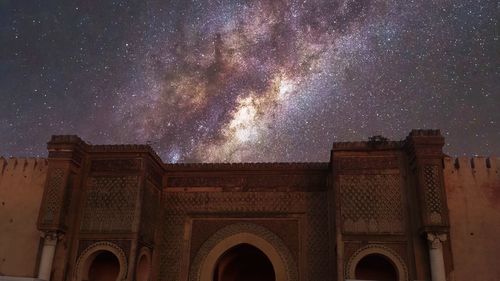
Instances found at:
x=232 y=81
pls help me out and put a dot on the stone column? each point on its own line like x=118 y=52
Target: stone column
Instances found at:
x=48 y=251
x=435 y=241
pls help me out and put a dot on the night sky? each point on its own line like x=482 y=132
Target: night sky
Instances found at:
x=233 y=80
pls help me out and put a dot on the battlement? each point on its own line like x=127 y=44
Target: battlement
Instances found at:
x=16 y=165
x=473 y=164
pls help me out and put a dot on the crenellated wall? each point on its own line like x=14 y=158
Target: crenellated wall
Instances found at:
x=378 y=197
x=21 y=188
x=473 y=194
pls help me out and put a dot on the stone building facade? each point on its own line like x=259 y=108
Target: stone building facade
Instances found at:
x=379 y=210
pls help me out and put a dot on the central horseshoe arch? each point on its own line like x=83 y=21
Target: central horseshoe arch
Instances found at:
x=205 y=261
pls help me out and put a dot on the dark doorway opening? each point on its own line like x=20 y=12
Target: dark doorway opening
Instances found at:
x=244 y=262
x=104 y=267
x=376 y=267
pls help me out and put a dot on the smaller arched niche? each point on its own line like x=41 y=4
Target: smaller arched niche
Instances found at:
x=143 y=268
x=376 y=262
x=102 y=261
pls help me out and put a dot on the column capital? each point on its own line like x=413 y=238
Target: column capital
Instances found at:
x=436 y=240
x=51 y=236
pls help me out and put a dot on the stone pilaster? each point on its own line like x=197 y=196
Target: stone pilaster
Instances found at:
x=58 y=209
x=424 y=150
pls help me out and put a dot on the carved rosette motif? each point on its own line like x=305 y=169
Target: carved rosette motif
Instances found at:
x=273 y=239
x=371 y=203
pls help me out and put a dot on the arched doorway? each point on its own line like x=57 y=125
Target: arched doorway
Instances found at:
x=211 y=252
x=376 y=267
x=104 y=267
x=244 y=262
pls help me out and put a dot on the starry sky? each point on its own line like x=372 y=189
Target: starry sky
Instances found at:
x=248 y=80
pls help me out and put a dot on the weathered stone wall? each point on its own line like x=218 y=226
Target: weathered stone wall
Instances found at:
x=21 y=188
x=473 y=194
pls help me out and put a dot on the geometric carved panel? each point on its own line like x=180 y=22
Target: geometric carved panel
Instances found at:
x=433 y=203
x=110 y=203
x=150 y=207
x=54 y=195
x=178 y=206
x=371 y=203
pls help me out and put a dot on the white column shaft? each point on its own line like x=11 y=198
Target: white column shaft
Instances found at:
x=437 y=264
x=48 y=251
x=438 y=271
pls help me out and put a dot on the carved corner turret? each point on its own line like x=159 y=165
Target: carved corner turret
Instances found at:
x=425 y=153
x=66 y=156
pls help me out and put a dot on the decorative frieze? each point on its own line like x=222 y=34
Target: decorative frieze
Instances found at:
x=358 y=163
x=115 y=165
x=252 y=182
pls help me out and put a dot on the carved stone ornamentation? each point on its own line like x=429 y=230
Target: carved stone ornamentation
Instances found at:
x=371 y=203
x=351 y=163
x=110 y=203
x=253 y=182
x=436 y=240
x=150 y=207
x=153 y=174
x=54 y=196
x=255 y=204
x=433 y=204
x=115 y=165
